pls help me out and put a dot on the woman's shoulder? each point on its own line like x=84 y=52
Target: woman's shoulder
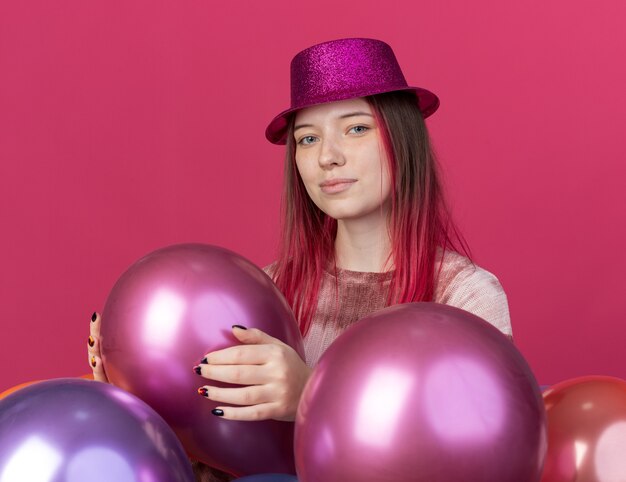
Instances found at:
x=452 y=270
x=464 y=284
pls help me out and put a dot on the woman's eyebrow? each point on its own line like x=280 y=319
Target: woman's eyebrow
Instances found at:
x=343 y=116
x=300 y=126
x=354 y=114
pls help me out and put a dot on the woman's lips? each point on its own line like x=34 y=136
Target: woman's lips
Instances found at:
x=333 y=186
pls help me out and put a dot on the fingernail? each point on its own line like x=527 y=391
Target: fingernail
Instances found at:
x=93 y=361
x=240 y=327
x=94 y=316
x=217 y=412
x=204 y=361
x=203 y=391
x=91 y=341
x=197 y=369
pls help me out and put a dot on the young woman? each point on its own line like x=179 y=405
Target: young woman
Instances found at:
x=365 y=225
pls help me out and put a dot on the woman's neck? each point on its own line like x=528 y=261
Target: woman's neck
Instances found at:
x=362 y=246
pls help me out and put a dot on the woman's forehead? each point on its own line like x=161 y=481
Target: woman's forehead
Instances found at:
x=332 y=110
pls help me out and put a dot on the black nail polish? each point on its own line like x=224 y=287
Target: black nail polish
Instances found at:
x=203 y=391
x=217 y=412
x=93 y=361
x=91 y=341
x=240 y=327
x=94 y=316
x=198 y=370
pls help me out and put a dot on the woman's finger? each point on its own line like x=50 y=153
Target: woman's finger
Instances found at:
x=95 y=362
x=236 y=374
x=94 y=326
x=93 y=342
x=93 y=349
x=263 y=411
x=250 y=395
x=239 y=355
x=254 y=336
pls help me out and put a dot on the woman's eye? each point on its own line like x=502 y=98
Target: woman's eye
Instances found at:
x=358 y=129
x=306 y=140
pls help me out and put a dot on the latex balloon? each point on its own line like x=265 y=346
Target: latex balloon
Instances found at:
x=586 y=430
x=73 y=430
x=9 y=391
x=14 y=389
x=268 y=478
x=421 y=392
x=163 y=315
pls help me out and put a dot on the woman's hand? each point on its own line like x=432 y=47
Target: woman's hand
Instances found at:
x=93 y=349
x=274 y=375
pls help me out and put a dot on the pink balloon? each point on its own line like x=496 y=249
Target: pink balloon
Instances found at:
x=421 y=392
x=169 y=309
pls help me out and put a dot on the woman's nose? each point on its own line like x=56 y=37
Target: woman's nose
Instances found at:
x=331 y=154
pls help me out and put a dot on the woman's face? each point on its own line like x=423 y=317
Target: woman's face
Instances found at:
x=341 y=160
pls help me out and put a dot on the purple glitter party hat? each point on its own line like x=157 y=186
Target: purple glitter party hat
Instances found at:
x=344 y=69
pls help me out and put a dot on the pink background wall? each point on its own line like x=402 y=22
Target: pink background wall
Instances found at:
x=130 y=125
